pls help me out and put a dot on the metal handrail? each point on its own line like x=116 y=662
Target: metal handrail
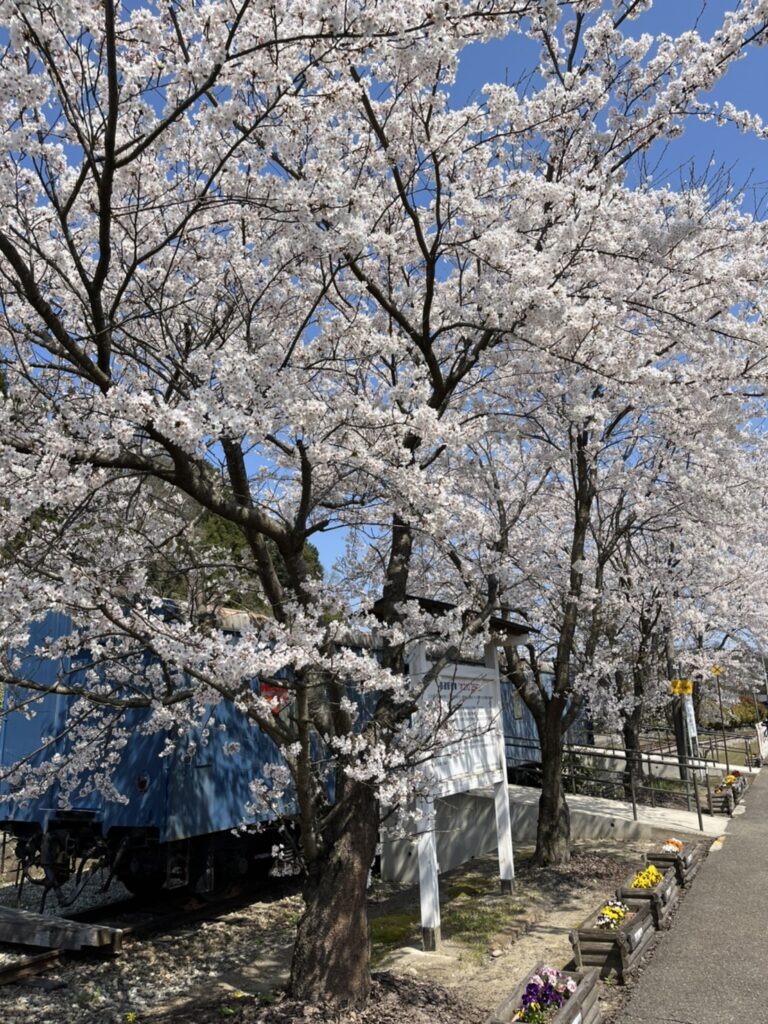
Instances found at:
x=626 y=780
x=699 y=762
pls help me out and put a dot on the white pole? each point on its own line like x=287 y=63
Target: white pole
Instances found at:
x=429 y=886
x=429 y=869
x=500 y=789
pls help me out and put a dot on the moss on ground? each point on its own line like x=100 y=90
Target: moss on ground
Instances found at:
x=477 y=922
x=472 y=884
x=401 y=928
x=473 y=914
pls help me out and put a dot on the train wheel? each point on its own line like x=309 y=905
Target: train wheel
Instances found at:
x=176 y=868
x=143 y=883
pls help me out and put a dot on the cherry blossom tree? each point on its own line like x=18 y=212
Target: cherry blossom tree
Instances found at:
x=685 y=571
x=718 y=611
x=252 y=261
x=625 y=495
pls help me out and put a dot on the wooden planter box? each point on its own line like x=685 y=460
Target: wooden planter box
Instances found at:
x=686 y=863
x=581 y=1008
x=739 y=788
x=722 y=803
x=614 y=949
x=662 y=897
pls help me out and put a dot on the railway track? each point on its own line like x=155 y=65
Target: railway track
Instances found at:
x=136 y=922
x=29 y=966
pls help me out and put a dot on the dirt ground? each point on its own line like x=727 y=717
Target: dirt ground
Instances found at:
x=489 y=943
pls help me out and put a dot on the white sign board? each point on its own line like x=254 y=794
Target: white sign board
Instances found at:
x=690 y=722
x=474 y=758
x=468 y=695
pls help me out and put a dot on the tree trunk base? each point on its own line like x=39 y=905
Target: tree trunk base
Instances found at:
x=553 y=833
x=331 y=956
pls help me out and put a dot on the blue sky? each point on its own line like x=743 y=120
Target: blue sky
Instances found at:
x=745 y=85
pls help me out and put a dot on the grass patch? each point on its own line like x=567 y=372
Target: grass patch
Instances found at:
x=475 y=923
x=473 y=885
x=398 y=929
x=735 y=756
x=473 y=914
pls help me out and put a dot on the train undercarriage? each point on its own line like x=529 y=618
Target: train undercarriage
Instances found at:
x=72 y=853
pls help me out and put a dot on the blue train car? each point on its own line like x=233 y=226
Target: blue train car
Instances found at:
x=521 y=739
x=180 y=809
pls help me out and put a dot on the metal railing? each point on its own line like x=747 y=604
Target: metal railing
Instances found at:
x=742 y=750
x=732 y=749
x=638 y=781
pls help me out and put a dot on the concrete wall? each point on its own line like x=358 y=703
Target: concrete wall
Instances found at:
x=466 y=828
x=664 y=769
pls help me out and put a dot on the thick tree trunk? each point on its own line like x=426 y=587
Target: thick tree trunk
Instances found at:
x=331 y=956
x=553 y=835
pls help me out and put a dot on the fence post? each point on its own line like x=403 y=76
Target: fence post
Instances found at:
x=709 y=794
x=698 y=802
x=632 y=791
x=688 y=773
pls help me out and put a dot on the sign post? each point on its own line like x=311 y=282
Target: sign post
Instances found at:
x=500 y=790
x=471 y=695
x=429 y=870
x=683 y=688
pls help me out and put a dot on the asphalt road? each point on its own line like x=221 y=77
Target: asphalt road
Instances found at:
x=712 y=966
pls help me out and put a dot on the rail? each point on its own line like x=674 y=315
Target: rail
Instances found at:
x=138 y=921
x=635 y=782
x=742 y=751
x=732 y=749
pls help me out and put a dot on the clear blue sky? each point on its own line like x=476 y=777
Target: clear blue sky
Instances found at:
x=745 y=85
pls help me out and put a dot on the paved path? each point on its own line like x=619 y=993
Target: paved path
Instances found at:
x=594 y=816
x=712 y=966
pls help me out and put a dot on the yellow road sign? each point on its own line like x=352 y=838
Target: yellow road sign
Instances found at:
x=682 y=686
